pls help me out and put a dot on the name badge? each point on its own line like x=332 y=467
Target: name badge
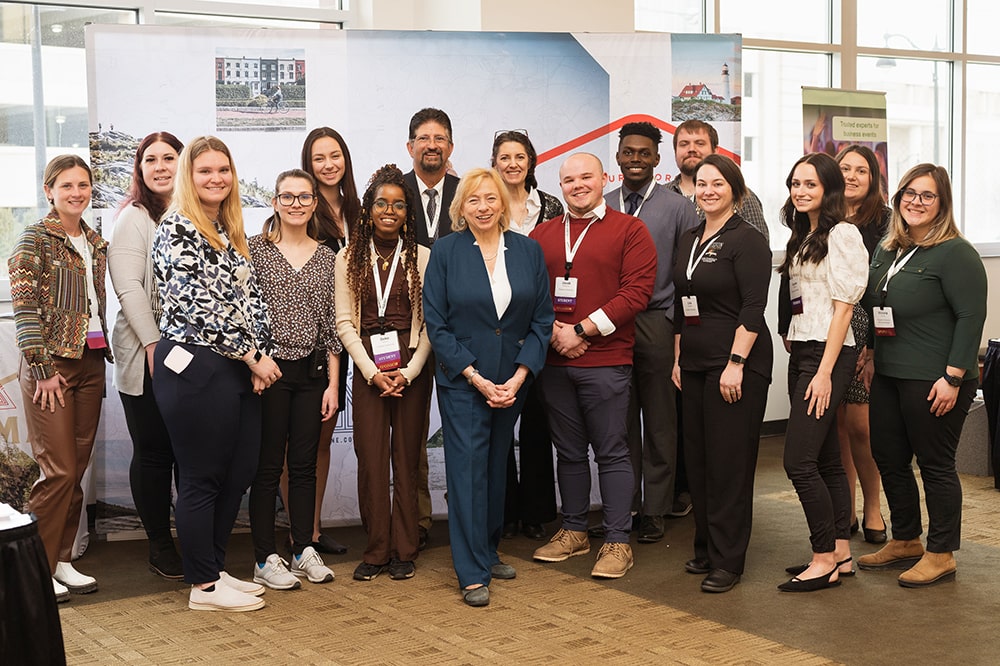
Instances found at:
x=882 y=319
x=385 y=349
x=689 y=304
x=795 y=291
x=96 y=340
x=564 y=295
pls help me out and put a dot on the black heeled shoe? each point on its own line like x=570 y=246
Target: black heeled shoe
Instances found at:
x=797 y=584
x=796 y=570
x=875 y=536
x=855 y=526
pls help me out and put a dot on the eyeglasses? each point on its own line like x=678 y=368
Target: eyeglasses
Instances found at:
x=304 y=199
x=497 y=134
x=438 y=139
x=926 y=198
x=380 y=205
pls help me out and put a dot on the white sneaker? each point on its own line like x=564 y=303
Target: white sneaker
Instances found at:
x=223 y=598
x=240 y=585
x=62 y=594
x=310 y=565
x=274 y=574
x=76 y=582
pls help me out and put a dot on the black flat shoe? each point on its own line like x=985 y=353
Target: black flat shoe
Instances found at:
x=535 y=531
x=875 y=536
x=698 y=565
x=809 y=584
x=509 y=530
x=327 y=544
x=719 y=580
x=796 y=570
x=855 y=526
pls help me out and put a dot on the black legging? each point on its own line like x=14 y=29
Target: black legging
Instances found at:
x=991 y=394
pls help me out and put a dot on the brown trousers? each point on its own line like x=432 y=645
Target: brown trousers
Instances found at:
x=388 y=431
x=61 y=444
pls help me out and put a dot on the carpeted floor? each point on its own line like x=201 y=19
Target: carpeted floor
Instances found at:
x=555 y=613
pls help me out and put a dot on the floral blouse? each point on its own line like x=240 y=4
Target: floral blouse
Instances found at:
x=300 y=302
x=210 y=297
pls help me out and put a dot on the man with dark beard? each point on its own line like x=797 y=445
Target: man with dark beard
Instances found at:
x=694 y=140
x=430 y=146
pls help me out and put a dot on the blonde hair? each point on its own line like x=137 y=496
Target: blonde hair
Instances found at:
x=470 y=181
x=186 y=202
x=943 y=227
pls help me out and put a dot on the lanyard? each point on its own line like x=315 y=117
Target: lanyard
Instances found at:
x=895 y=267
x=621 y=198
x=571 y=252
x=692 y=262
x=383 y=298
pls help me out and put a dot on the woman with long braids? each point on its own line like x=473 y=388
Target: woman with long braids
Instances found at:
x=378 y=286
x=825 y=267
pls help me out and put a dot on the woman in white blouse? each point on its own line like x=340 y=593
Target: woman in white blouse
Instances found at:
x=825 y=271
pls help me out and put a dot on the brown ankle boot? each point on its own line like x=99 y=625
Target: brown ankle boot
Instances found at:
x=932 y=568
x=893 y=555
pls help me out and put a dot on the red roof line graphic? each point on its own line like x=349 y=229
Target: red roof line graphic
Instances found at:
x=573 y=144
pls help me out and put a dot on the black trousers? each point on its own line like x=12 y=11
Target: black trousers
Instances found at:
x=214 y=421
x=290 y=428
x=991 y=394
x=902 y=427
x=151 y=472
x=722 y=440
x=812 y=449
x=532 y=497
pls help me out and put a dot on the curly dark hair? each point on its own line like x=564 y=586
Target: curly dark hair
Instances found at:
x=813 y=247
x=359 y=258
x=518 y=137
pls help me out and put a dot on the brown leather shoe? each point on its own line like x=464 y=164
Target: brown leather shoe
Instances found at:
x=564 y=545
x=614 y=560
x=893 y=555
x=932 y=568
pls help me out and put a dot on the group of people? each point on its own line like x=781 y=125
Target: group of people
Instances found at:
x=231 y=356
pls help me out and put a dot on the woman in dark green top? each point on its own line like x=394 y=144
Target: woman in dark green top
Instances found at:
x=927 y=295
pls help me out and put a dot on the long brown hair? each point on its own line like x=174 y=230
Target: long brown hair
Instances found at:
x=943 y=228
x=350 y=206
x=831 y=212
x=139 y=194
x=272 y=225
x=871 y=210
x=359 y=256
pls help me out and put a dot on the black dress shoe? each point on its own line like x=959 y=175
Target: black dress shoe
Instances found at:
x=651 y=529
x=719 y=580
x=796 y=570
x=421 y=537
x=534 y=531
x=809 y=584
x=875 y=536
x=596 y=532
x=509 y=530
x=327 y=544
x=698 y=565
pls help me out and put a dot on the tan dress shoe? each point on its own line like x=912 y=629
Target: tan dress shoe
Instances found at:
x=932 y=568
x=893 y=555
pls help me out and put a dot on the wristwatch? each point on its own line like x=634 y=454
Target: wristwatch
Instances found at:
x=578 y=329
x=954 y=381
x=256 y=358
x=737 y=359
x=472 y=376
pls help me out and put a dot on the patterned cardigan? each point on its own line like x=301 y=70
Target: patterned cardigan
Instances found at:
x=48 y=287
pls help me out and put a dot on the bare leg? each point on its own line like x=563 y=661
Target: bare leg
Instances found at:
x=856 y=420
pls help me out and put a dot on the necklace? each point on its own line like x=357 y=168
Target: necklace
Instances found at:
x=491 y=257
x=385 y=260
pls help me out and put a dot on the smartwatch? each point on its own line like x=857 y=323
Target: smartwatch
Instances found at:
x=954 y=381
x=737 y=359
x=256 y=358
x=578 y=329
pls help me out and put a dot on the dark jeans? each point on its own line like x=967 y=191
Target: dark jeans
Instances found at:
x=991 y=394
x=587 y=407
x=290 y=429
x=214 y=421
x=812 y=450
x=902 y=427
x=151 y=472
x=532 y=497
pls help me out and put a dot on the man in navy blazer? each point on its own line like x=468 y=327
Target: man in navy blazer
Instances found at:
x=430 y=145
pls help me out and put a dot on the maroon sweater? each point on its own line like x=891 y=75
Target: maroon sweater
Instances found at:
x=615 y=269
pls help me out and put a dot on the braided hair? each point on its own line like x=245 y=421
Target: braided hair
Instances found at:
x=359 y=261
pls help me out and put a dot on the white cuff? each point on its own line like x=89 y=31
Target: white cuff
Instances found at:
x=604 y=325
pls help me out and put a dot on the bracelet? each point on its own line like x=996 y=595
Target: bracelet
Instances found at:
x=472 y=376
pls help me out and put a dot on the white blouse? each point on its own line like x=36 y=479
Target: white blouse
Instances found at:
x=842 y=275
x=499 y=282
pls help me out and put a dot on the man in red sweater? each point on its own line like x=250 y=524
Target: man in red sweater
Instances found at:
x=602 y=266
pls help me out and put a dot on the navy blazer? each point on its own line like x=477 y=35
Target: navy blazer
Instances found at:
x=462 y=320
x=444 y=219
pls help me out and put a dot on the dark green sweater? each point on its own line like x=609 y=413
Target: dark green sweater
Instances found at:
x=938 y=303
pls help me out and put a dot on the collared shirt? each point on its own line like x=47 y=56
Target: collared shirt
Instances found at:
x=210 y=297
x=750 y=210
x=667 y=215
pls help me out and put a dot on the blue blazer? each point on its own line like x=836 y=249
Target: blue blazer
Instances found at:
x=462 y=320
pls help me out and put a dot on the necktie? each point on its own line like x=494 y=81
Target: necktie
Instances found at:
x=632 y=202
x=432 y=206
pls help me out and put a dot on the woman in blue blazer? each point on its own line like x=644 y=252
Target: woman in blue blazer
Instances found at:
x=489 y=318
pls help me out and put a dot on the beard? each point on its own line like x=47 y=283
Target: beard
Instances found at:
x=689 y=166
